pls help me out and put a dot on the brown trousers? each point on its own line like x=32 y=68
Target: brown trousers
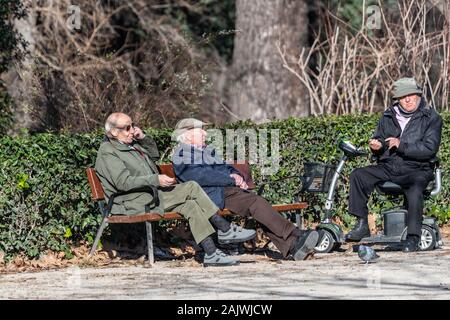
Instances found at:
x=276 y=227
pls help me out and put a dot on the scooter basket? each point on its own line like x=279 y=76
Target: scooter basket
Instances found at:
x=317 y=177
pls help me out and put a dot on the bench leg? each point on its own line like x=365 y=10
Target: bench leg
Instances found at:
x=98 y=236
x=298 y=219
x=148 y=226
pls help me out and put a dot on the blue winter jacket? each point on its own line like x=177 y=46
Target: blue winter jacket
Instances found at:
x=204 y=167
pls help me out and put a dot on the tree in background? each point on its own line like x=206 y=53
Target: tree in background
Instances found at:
x=12 y=45
x=12 y=49
x=259 y=87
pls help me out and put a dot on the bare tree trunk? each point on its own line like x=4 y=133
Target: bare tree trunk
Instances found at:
x=259 y=87
x=18 y=78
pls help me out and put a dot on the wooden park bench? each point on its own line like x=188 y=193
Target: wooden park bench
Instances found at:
x=149 y=217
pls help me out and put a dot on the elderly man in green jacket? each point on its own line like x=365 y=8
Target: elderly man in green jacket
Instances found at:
x=125 y=161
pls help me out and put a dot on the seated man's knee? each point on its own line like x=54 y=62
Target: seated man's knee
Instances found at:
x=192 y=184
x=417 y=189
x=261 y=201
x=191 y=208
x=356 y=174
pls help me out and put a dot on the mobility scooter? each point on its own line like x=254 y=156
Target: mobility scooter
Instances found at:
x=324 y=178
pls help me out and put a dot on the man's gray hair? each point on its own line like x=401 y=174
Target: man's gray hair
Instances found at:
x=108 y=126
x=111 y=122
x=181 y=138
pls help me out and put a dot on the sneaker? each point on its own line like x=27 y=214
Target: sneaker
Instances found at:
x=235 y=234
x=411 y=244
x=305 y=245
x=218 y=259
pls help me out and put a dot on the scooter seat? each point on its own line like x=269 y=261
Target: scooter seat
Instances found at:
x=390 y=188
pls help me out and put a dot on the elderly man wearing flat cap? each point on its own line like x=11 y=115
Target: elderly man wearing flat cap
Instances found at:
x=405 y=143
x=125 y=161
x=193 y=160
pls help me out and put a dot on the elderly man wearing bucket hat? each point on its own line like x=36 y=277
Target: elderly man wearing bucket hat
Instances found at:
x=193 y=160
x=405 y=143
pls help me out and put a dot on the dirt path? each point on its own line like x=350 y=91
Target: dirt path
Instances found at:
x=340 y=275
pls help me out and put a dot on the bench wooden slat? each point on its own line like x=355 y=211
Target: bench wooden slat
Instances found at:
x=134 y=219
x=166 y=169
x=153 y=217
x=95 y=184
x=175 y=215
x=290 y=206
x=98 y=195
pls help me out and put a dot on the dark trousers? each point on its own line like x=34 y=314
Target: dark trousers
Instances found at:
x=413 y=179
x=276 y=227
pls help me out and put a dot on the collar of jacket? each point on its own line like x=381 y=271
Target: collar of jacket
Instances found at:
x=423 y=111
x=206 y=154
x=124 y=147
x=191 y=147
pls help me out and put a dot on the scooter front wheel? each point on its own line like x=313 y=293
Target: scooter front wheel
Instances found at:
x=326 y=244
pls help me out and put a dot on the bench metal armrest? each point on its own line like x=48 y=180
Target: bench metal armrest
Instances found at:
x=435 y=163
x=437 y=182
x=149 y=189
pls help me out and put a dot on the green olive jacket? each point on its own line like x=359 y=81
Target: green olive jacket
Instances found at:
x=121 y=167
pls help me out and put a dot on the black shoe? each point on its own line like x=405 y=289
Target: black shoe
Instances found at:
x=361 y=230
x=305 y=245
x=321 y=233
x=411 y=244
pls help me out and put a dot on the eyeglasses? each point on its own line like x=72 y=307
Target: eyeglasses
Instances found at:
x=127 y=127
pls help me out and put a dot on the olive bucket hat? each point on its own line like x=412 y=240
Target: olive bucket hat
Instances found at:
x=406 y=86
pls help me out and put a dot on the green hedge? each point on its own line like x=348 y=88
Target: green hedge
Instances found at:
x=45 y=200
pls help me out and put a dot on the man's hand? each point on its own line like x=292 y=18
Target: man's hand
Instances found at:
x=237 y=178
x=244 y=185
x=393 y=142
x=375 y=144
x=138 y=134
x=239 y=181
x=166 y=181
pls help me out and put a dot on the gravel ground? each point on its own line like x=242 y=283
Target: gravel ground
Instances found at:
x=339 y=275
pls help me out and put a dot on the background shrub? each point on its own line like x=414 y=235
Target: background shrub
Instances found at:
x=45 y=199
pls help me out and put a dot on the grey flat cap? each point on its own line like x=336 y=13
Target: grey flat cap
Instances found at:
x=187 y=124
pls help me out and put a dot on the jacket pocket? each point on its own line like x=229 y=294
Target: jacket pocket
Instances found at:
x=137 y=205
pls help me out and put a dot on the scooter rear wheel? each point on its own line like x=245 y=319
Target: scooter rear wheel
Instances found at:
x=427 y=239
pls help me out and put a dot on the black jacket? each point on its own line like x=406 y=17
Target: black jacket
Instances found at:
x=206 y=168
x=420 y=140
